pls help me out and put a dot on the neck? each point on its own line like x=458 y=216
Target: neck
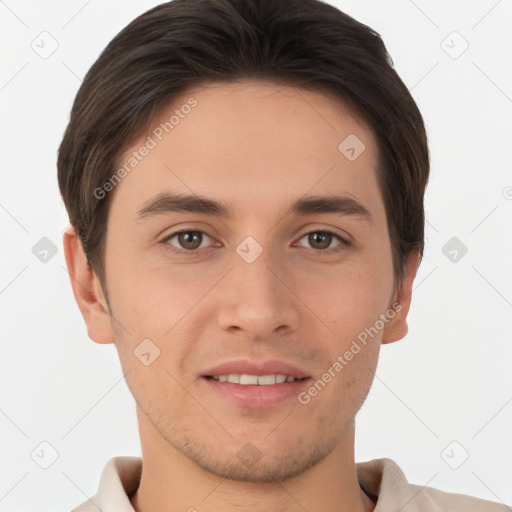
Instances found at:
x=171 y=481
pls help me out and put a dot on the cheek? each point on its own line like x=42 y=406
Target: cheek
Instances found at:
x=359 y=374
x=337 y=394
x=349 y=299
x=150 y=299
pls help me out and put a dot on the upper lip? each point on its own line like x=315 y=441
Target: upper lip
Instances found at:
x=241 y=366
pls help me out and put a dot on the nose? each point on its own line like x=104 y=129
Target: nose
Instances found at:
x=257 y=300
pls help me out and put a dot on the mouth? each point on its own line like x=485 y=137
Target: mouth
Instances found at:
x=245 y=379
x=255 y=385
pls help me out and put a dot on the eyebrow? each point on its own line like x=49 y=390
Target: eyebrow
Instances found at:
x=167 y=202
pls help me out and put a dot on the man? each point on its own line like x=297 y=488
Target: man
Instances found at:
x=245 y=182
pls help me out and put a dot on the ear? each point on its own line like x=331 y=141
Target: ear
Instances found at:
x=397 y=328
x=87 y=290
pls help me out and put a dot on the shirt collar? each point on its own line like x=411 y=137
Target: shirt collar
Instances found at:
x=381 y=479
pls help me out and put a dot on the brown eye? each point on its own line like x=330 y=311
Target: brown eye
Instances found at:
x=185 y=241
x=323 y=241
x=190 y=239
x=319 y=239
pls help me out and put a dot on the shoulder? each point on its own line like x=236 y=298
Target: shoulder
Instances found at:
x=384 y=481
x=435 y=500
x=118 y=482
x=91 y=505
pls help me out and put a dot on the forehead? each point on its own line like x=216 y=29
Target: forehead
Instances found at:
x=249 y=142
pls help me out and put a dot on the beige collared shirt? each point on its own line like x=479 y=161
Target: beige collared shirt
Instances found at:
x=381 y=479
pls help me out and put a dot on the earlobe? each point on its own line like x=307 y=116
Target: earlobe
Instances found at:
x=87 y=290
x=397 y=327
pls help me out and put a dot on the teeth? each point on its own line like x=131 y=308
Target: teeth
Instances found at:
x=265 y=380
x=248 y=379
x=252 y=380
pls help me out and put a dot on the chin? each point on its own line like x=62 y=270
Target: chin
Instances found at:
x=251 y=463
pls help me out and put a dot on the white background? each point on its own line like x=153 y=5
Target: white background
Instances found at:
x=449 y=380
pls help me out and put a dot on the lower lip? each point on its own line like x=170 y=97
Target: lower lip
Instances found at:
x=257 y=397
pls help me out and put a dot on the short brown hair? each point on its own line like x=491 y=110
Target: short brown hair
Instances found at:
x=186 y=43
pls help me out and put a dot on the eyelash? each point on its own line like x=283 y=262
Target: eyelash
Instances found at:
x=344 y=244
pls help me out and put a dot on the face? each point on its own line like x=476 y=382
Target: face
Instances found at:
x=244 y=248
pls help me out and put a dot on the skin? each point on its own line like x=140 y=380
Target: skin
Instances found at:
x=256 y=147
